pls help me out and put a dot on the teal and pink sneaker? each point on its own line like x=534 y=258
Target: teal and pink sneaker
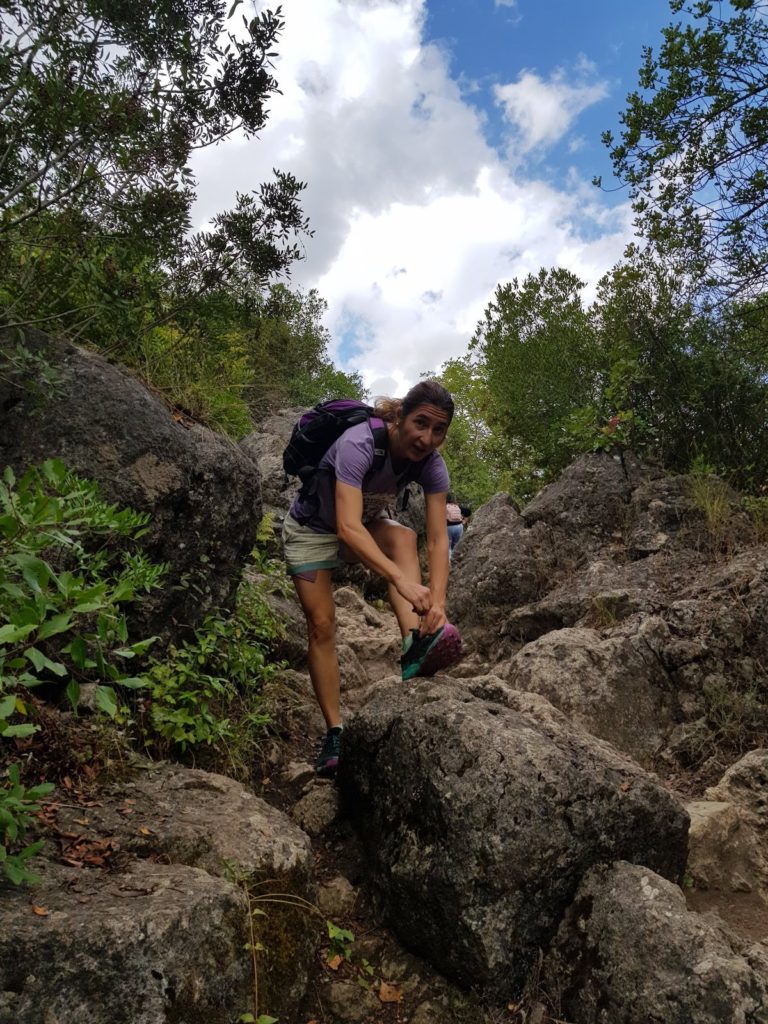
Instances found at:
x=425 y=655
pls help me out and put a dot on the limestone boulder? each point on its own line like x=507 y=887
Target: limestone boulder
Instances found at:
x=481 y=816
x=155 y=944
x=668 y=513
x=745 y=784
x=265 y=448
x=502 y=563
x=511 y=560
x=612 y=686
x=589 y=500
x=211 y=823
x=726 y=854
x=629 y=952
x=605 y=592
x=202 y=492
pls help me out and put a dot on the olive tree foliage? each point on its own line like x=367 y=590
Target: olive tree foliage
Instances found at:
x=643 y=367
x=102 y=102
x=288 y=348
x=694 y=145
x=540 y=363
x=479 y=458
x=686 y=384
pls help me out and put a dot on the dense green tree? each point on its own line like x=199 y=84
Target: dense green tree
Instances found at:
x=101 y=105
x=479 y=457
x=694 y=145
x=288 y=347
x=690 y=384
x=642 y=367
x=102 y=102
x=541 y=363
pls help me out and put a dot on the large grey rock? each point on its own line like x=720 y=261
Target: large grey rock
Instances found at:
x=480 y=817
x=746 y=785
x=203 y=494
x=613 y=687
x=659 y=510
x=604 y=593
x=500 y=565
x=590 y=498
x=510 y=560
x=625 y=551
x=265 y=448
x=725 y=854
x=629 y=952
x=157 y=944
x=212 y=823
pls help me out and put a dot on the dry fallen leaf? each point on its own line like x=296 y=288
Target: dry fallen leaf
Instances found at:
x=389 y=994
x=145 y=831
x=335 y=962
x=40 y=911
x=625 y=787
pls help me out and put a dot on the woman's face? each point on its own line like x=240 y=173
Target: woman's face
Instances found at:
x=420 y=432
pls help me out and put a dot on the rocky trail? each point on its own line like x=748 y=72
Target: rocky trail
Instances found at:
x=723 y=859
x=570 y=826
x=369 y=977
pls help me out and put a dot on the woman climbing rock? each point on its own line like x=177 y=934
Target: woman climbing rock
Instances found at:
x=345 y=513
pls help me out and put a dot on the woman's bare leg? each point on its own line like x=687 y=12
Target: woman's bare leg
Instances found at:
x=398 y=542
x=317 y=601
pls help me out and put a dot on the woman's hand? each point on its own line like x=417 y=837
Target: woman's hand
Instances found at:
x=419 y=596
x=434 y=619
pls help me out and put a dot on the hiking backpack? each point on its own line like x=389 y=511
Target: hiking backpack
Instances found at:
x=319 y=427
x=453 y=514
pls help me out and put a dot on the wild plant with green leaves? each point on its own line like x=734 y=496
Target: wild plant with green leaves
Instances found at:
x=18 y=803
x=63 y=576
x=67 y=568
x=208 y=690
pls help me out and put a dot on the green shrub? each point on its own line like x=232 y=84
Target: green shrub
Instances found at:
x=208 y=691
x=712 y=497
x=17 y=805
x=62 y=575
x=757 y=508
x=66 y=568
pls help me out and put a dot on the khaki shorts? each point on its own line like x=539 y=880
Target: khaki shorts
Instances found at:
x=306 y=550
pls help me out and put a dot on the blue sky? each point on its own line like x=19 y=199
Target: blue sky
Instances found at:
x=491 y=43
x=448 y=146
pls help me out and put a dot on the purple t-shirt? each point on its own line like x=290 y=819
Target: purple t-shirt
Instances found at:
x=349 y=459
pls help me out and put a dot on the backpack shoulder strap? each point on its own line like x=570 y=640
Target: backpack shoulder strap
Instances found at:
x=380 y=446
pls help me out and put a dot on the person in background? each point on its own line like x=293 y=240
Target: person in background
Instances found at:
x=455 y=521
x=346 y=515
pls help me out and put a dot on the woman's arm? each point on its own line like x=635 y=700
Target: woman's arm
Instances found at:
x=352 y=533
x=437 y=554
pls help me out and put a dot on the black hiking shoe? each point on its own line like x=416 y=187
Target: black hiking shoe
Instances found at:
x=328 y=759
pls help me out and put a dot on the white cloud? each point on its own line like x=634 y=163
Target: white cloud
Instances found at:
x=506 y=3
x=542 y=112
x=417 y=218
